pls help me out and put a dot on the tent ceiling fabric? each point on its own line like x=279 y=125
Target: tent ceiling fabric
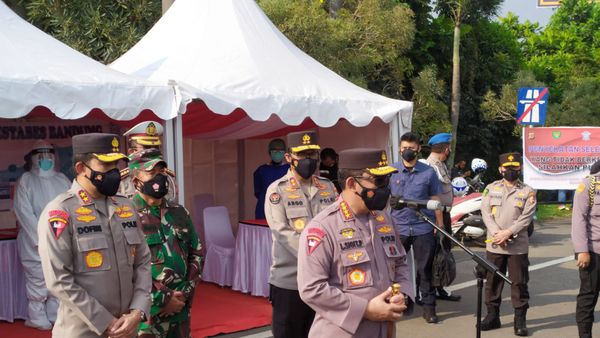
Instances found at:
x=38 y=70
x=229 y=55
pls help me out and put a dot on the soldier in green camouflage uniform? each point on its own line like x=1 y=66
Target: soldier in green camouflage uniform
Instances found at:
x=174 y=245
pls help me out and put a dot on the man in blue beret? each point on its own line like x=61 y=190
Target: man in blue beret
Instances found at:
x=440 y=151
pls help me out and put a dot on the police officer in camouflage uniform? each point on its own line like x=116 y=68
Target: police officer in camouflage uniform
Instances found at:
x=145 y=135
x=173 y=243
x=92 y=248
x=293 y=201
x=507 y=209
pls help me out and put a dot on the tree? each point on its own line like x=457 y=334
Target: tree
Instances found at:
x=459 y=11
x=366 y=42
x=101 y=29
x=430 y=110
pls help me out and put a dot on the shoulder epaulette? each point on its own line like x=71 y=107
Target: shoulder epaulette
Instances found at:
x=124 y=173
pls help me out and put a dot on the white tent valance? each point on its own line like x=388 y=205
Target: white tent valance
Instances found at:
x=38 y=70
x=228 y=54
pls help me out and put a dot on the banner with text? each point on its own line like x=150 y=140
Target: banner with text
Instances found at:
x=559 y=157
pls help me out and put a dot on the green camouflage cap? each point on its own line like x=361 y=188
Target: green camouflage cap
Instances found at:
x=146 y=159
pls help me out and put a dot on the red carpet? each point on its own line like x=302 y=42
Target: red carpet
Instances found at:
x=216 y=310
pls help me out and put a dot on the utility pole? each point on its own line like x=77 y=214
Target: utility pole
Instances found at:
x=166 y=4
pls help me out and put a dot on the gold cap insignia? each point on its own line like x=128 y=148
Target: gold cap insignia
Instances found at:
x=511 y=158
x=115 y=144
x=151 y=129
x=306 y=139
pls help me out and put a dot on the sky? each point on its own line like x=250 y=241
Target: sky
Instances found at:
x=527 y=10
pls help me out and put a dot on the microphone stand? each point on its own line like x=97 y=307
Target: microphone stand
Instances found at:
x=483 y=266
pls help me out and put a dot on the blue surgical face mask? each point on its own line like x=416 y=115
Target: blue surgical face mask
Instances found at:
x=46 y=164
x=276 y=156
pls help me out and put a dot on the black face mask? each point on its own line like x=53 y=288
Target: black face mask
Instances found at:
x=375 y=198
x=157 y=187
x=409 y=155
x=107 y=183
x=511 y=175
x=306 y=167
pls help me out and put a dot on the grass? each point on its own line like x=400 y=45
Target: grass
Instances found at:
x=549 y=211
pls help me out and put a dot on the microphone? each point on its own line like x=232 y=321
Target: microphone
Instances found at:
x=397 y=202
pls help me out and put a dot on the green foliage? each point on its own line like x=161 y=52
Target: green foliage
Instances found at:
x=430 y=110
x=565 y=56
x=366 y=42
x=101 y=29
x=469 y=10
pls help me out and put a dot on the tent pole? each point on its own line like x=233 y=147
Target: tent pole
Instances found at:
x=395 y=137
x=178 y=122
x=165 y=5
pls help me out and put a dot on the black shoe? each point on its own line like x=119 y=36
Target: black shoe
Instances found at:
x=449 y=297
x=520 y=326
x=491 y=320
x=429 y=315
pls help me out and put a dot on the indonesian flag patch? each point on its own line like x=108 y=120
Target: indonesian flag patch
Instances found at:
x=58 y=221
x=314 y=238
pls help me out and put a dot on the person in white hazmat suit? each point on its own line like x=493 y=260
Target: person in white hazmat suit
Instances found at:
x=36 y=187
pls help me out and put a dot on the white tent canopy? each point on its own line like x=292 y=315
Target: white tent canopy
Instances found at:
x=228 y=54
x=38 y=70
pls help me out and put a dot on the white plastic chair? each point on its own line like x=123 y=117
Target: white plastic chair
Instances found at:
x=220 y=247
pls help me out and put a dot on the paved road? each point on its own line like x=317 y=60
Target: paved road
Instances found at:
x=553 y=286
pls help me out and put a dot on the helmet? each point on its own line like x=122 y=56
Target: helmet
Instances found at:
x=460 y=187
x=478 y=165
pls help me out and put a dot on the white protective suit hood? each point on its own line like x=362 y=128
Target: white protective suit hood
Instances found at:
x=43 y=160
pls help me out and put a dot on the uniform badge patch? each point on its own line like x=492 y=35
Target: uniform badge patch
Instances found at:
x=380 y=218
x=299 y=224
x=58 y=220
x=519 y=204
x=94 y=259
x=386 y=229
x=123 y=211
x=347 y=233
x=133 y=251
x=83 y=211
x=580 y=187
x=275 y=198
x=357 y=277
x=292 y=196
x=86 y=218
x=294 y=184
x=314 y=238
x=324 y=193
x=355 y=256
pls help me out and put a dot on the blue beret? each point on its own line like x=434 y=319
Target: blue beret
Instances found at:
x=440 y=138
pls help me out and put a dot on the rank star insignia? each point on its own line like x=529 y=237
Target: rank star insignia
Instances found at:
x=355 y=256
x=510 y=158
x=357 y=277
x=346 y=211
x=84 y=197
